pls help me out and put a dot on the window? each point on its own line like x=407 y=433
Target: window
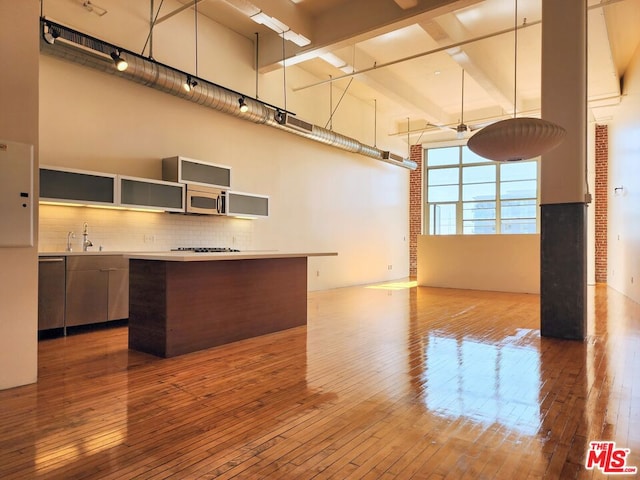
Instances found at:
x=468 y=194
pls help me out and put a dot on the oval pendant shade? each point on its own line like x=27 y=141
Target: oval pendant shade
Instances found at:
x=516 y=139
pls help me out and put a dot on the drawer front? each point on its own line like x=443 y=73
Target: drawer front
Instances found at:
x=86 y=298
x=96 y=262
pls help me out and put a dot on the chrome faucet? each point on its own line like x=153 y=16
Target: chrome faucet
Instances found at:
x=86 y=243
x=70 y=235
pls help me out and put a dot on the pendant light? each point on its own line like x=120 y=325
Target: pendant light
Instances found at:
x=516 y=139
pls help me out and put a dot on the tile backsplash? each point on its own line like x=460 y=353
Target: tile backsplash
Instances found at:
x=123 y=230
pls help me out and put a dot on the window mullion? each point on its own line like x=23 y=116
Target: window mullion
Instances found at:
x=498 y=202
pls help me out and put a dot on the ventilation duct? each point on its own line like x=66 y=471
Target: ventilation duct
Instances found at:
x=91 y=52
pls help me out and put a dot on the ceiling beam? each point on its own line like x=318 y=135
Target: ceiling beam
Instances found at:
x=397 y=89
x=172 y=13
x=351 y=22
x=447 y=30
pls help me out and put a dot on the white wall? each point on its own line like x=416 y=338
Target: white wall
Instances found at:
x=624 y=170
x=18 y=123
x=503 y=263
x=322 y=198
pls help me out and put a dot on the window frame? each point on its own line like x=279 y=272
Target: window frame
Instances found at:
x=460 y=202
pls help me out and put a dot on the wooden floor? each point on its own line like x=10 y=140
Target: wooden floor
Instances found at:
x=386 y=382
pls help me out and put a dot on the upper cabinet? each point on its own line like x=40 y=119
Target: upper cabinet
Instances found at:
x=65 y=185
x=79 y=187
x=187 y=170
x=241 y=204
x=151 y=194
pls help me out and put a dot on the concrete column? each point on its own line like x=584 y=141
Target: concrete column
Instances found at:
x=563 y=249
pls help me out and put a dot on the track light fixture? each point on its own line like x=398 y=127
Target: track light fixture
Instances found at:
x=189 y=84
x=243 y=106
x=50 y=35
x=85 y=49
x=121 y=63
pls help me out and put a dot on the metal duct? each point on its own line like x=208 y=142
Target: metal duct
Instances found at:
x=91 y=52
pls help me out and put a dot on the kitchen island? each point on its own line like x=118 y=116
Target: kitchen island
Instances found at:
x=181 y=302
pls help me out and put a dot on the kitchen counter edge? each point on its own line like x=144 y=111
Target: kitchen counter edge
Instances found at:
x=87 y=253
x=191 y=256
x=207 y=257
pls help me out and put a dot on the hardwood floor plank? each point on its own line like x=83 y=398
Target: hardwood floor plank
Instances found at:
x=408 y=384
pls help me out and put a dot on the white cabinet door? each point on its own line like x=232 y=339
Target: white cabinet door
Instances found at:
x=197 y=172
x=76 y=187
x=151 y=194
x=250 y=205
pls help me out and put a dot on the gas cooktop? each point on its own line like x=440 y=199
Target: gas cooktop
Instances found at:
x=204 y=249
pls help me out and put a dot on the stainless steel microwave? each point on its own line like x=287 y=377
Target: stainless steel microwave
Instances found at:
x=205 y=200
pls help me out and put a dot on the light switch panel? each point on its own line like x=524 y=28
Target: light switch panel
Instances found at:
x=16 y=194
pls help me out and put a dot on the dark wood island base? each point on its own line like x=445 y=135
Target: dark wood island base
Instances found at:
x=177 y=307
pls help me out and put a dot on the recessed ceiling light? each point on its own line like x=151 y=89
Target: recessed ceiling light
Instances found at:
x=437 y=72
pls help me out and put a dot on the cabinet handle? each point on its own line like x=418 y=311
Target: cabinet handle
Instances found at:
x=51 y=260
x=108 y=269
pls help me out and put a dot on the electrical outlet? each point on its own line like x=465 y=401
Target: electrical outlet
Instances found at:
x=149 y=238
x=389 y=267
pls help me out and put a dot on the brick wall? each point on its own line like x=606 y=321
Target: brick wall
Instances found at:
x=601 y=201
x=415 y=208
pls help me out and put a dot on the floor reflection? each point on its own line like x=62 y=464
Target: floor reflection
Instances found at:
x=389 y=382
x=484 y=382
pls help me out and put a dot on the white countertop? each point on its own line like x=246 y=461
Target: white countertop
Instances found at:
x=174 y=256
x=90 y=252
x=207 y=257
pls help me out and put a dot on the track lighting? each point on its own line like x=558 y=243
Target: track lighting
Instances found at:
x=50 y=35
x=121 y=63
x=243 y=106
x=189 y=84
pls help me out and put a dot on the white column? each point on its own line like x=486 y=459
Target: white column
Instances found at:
x=563 y=235
x=564 y=98
x=19 y=51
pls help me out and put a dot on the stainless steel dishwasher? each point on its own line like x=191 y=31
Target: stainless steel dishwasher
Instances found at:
x=51 y=292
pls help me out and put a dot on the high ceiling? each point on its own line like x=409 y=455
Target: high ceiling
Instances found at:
x=409 y=57
x=416 y=76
